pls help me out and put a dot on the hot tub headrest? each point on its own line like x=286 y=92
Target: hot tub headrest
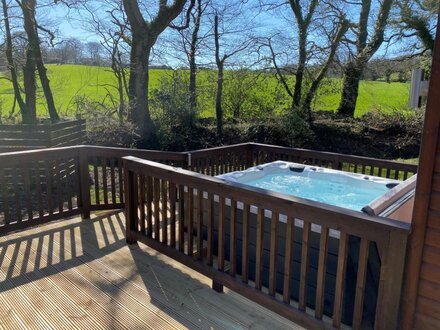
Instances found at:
x=380 y=204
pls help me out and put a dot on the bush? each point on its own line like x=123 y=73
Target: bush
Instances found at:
x=104 y=128
x=170 y=109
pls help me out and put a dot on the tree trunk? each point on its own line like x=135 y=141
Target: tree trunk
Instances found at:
x=192 y=62
x=121 y=99
x=192 y=83
x=218 y=100
x=30 y=89
x=299 y=76
x=30 y=26
x=144 y=35
x=14 y=77
x=139 y=112
x=118 y=71
x=307 y=103
x=350 y=88
x=365 y=50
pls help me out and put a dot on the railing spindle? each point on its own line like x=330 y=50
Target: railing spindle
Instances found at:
x=200 y=224
x=181 y=218
x=210 y=229
x=273 y=253
x=112 y=179
x=164 y=204
x=96 y=180
x=322 y=271
x=245 y=244
x=121 y=181
x=38 y=189
x=172 y=192
x=304 y=266
x=288 y=256
x=232 y=238
x=142 y=202
x=5 y=195
x=48 y=174
x=156 y=198
x=104 y=179
x=360 y=283
x=59 y=186
x=221 y=234
x=15 y=182
x=27 y=190
x=149 y=203
x=340 y=279
x=190 y=220
x=259 y=249
x=70 y=165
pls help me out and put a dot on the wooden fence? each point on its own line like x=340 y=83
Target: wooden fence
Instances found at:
x=183 y=215
x=39 y=136
x=43 y=185
x=238 y=157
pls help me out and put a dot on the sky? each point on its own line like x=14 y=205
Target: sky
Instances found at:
x=71 y=24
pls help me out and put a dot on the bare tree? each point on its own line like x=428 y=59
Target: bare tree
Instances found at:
x=113 y=30
x=418 y=19
x=34 y=55
x=237 y=36
x=27 y=116
x=340 y=28
x=70 y=51
x=365 y=48
x=303 y=22
x=327 y=24
x=94 y=50
x=144 y=34
x=190 y=40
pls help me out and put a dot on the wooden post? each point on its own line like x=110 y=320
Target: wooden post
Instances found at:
x=84 y=187
x=249 y=155
x=217 y=287
x=131 y=220
x=391 y=279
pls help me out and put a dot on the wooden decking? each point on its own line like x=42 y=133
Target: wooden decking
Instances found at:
x=81 y=274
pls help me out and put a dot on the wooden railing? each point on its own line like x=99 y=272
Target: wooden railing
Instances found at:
x=43 y=185
x=206 y=224
x=105 y=173
x=49 y=184
x=262 y=153
x=20 y=137
x=220 y=160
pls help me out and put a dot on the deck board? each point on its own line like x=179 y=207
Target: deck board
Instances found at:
x=81 y=274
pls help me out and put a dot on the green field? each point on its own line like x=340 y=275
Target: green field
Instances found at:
x=72 y=82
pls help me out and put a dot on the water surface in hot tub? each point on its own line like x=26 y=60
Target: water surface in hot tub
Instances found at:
x=348 y=190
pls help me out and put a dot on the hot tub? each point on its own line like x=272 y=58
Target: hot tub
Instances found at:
x=349 y=190
x=373 y=195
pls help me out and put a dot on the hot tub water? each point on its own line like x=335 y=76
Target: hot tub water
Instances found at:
x=348 y=190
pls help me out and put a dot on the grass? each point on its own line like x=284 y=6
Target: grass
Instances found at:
x=373 y=95
x=70 y=83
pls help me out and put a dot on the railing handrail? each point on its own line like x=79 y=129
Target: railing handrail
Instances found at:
x=170 y=155
x=278 y=202
x=221 y=148
x=333 y=155
x=173 y=155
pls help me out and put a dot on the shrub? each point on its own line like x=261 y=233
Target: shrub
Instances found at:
x=103 y=125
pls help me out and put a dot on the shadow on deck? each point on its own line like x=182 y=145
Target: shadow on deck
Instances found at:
x=81 y=274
